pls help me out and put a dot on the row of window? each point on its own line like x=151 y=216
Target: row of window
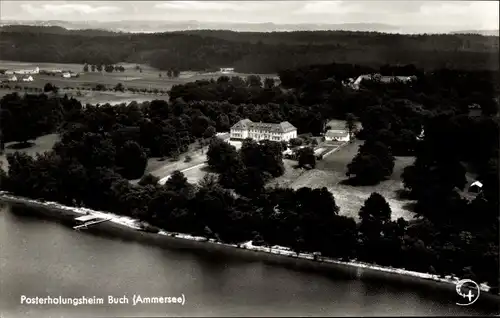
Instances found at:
x=255 y=136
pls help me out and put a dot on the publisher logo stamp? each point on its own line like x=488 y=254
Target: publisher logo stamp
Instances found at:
x=469 y=290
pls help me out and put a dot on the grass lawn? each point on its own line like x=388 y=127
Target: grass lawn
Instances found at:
x=330 y=172
x=40 y=145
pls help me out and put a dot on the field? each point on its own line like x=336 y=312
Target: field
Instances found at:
x=330 y=172
x=149 y=78
x=40 y=145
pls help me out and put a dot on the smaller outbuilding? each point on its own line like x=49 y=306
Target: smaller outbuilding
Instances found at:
x=476 y=187
x=337 y=135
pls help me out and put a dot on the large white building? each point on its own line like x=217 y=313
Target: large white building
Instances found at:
x=246 y=128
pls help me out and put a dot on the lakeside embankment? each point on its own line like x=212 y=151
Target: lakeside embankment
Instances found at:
x=275 y=254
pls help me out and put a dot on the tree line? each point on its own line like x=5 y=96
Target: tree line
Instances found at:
x=250 y=52
x=108 y=68
x=102 y=147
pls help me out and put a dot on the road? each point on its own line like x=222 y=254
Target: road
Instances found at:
x=198 y=166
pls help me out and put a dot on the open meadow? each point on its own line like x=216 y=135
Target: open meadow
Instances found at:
x=39 y=145
x=330 y=172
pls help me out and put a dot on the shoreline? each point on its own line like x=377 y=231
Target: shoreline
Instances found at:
x=278 y=252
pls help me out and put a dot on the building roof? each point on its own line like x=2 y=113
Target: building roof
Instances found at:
x=477 y=184
x=336 y=133
x=282 y=127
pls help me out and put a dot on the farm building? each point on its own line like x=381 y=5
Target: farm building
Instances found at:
x=337 y=135
x=13 y=78
x=246 y=128
x=28 y=79
x=66 y=75
x=476 y=187
x=35 y=71
x=9 y=72
x=226 y=70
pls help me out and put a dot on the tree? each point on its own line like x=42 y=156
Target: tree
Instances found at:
x=93 y=68
x=306 y=157
x=209 y=132
x=131 y=160
x=268 y=83
x=119 y=87
x=222 y=123
x=221 y=155
x=99 y=67
x=169 y=73
x=372 y=164
x=48 y=87
x=176 y=73
x=375 y=210
x=177 y=181
x=296 y=142
x=86 y=68
x=148 y=179
x=375 y=214
x=350 y=124
x=109 y=68
x=100 y=87
x=254 y=81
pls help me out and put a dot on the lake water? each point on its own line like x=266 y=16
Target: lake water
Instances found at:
x=42 y=257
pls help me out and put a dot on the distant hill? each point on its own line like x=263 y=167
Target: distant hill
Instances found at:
x=247 y=52
x=480 y=32
x=168 y=26
x=55 y=30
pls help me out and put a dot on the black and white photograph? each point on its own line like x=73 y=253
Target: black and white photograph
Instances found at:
x=249 y=158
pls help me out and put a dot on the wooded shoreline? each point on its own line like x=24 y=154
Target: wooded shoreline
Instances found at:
x=303 y=260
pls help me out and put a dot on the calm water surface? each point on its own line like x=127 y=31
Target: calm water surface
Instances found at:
x=40 y=257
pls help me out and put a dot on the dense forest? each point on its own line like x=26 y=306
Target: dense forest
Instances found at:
x=248 y=52
x=101 y=147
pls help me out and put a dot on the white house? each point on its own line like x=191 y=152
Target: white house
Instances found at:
x=226 y=70
x=337 y=135
x=246 y=128
x=66 y=75
x=13 y=78
x=9 y=72
x=35 y=71
x=28 y=79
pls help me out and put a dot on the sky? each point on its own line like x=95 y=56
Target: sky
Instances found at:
x=446 y=15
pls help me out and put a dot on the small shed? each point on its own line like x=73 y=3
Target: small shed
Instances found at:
x=28 y=79
x=475 y=187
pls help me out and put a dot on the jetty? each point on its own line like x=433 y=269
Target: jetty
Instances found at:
x=87 y=220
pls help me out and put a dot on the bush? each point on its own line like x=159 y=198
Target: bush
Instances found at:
x=149 y=228
x=188 y=159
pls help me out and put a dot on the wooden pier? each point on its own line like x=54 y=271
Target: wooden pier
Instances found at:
x=88 y=220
